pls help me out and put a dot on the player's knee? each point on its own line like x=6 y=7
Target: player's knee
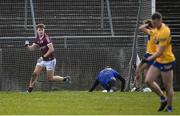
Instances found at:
x=137 y=72
x=148 y=81
x=136 y=78
x=34 y=75
x=50 y=78
x=167 y=87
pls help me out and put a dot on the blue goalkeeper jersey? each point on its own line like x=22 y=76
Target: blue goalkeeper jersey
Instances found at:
x=106 y=75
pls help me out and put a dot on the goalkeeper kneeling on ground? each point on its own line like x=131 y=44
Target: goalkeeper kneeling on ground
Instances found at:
x=107 y=78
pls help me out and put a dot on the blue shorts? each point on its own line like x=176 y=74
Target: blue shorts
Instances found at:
x=164 y=67
x=146 y=55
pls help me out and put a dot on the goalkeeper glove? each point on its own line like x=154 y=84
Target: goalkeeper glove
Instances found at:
x=26 y=43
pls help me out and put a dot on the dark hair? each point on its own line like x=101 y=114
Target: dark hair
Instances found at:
x=156 y=15
x=40 y=26
x=149 y=22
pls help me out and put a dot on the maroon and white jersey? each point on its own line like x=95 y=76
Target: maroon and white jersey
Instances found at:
x=43 y=44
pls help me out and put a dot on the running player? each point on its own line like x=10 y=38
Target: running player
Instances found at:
x=47 y=60
x=150 y=49
x=163 y=65
x=107 y=78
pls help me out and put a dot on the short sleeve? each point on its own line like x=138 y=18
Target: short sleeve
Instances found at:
x=164 y=37
x=48 y=39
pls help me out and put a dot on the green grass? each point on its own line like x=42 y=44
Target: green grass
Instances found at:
x=81 y=102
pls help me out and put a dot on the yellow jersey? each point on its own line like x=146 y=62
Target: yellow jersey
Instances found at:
x=163 y=38
x=151 y=45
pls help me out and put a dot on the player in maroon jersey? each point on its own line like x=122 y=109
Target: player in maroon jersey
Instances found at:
x=47 y=60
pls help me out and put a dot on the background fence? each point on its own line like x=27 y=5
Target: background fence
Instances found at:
x=82 y=35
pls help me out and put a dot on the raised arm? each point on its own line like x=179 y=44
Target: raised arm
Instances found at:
x=143 y=28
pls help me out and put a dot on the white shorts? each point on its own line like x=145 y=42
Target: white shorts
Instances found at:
x=49 y=65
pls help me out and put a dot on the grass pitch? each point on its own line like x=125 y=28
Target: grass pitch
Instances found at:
x=82 y=102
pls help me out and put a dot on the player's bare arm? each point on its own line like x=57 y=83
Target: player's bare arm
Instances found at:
x=157 y=54
x=143 y=28
x=31 y=47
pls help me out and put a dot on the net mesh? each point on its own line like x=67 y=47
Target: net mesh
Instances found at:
x=80 y=57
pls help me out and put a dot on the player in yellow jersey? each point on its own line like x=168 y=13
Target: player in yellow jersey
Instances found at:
x=143 y=67
x=163 y=65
